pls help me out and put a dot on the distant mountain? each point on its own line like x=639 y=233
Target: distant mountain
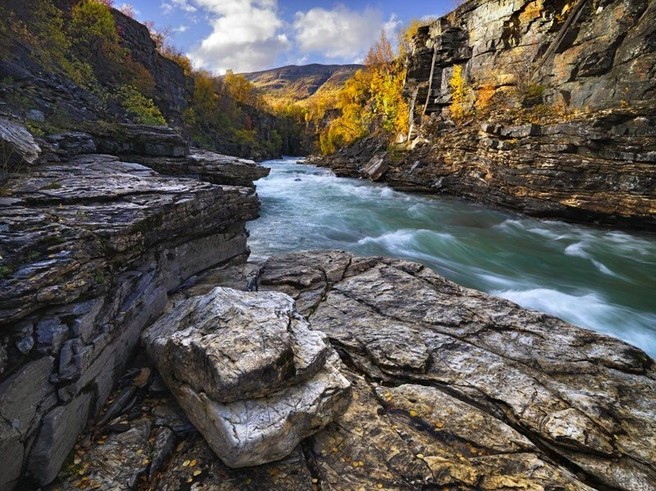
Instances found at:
x=295 y=83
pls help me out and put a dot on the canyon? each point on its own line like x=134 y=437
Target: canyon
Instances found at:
x=559 y=115
x=124 y=251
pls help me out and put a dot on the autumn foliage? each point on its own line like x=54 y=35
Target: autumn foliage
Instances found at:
x=370 y=102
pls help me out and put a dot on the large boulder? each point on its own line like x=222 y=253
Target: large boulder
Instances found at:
x=249 y=373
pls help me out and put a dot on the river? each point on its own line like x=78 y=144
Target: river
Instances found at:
x=601 y=279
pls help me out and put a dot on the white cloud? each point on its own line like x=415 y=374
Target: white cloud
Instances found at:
x=392 y=26
x=184 y=5
x=339 y=33
x=180 y=29
x=246 y=35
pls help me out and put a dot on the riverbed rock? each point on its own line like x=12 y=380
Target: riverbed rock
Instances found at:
x=250 y=374
x=472 y=391
x=451 y=388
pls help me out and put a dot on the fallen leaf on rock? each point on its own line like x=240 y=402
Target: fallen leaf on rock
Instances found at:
x=142 y=378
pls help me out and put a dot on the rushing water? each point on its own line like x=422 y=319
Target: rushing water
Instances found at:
x=604 y=280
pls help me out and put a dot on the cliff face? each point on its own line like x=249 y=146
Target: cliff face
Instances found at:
x=543 y=106
x=580 y=53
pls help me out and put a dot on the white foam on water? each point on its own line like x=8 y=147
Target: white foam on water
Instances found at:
x=589 y=310
x=577 y=250
x=605 y=270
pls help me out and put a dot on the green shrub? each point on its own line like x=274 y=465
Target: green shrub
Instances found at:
x=141 y=108
x=93 y=30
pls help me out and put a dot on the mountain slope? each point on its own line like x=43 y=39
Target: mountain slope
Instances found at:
x=296 y=83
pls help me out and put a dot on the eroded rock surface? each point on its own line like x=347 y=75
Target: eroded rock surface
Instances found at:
x=451 y=389
x=251 y=375
x=17 y=148
x=89 y=249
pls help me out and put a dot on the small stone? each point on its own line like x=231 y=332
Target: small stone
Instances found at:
x=36 y=115
x=25 y=345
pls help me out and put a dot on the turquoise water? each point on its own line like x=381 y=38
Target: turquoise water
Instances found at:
x=600 y=279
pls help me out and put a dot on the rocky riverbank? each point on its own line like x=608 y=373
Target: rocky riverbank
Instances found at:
x=340 y=373
x=600 y=169
x=450 y=388
x=91 y=245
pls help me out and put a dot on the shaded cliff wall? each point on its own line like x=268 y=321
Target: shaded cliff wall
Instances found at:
x=592 y=54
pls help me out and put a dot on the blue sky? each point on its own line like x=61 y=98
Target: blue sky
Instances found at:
x=251 y=35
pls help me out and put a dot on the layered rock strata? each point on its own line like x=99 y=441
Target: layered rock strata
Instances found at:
x=598 y=170
x=249 y=373
x=581 y=53
x=90 y=246
x=208 y=166
x=451 y=388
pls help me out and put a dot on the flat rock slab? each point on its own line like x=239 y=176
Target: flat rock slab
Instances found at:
x=60 y=225
x=208 y=166
x=481 y=391
x=251 y=375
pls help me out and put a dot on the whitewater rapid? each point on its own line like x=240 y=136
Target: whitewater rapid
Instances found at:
x=599 y=279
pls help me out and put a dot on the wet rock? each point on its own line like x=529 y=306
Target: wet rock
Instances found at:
x=250 y=374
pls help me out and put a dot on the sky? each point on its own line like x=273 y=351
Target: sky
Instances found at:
x=253 y=35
